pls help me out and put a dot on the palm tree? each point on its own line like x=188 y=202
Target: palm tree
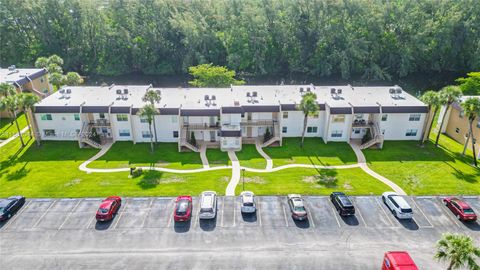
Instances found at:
x=308 y=106
x=471 y=107
x=153 y=97
x=12 y=104
x=448 y=95
x=7 y=89
x=148 y=111
x=432 y=99
x=27 y=101
x=458 y=250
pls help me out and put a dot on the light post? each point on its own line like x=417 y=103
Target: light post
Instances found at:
x=243 y=179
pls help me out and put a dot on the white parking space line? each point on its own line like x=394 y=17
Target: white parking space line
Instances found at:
x=310 y=219
x=117 y=219
x=69 y=214
x=385 y=212
x=234 y=210
x=285 y=215
x=90 y=222
x=335 y=215
x=223 y=210
x=44 y=213
x=148 y=212
x=448 y=213
x=421 y=211
x=357 y=211
x=12 y=220
x=259 y=216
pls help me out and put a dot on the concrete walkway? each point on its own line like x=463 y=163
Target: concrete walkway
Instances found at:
x=289 y=166
x=5 y=142
x=258 y=146
x=362 y=162
x=235 y=174
x=203 y=156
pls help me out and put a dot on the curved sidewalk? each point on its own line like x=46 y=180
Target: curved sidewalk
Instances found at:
x=5 y=142
x=235 y=174
x=362 y=162
x=264 y=155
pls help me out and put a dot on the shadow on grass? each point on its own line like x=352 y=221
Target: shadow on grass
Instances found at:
x=150 y=179
x=401 y=151
x=18 y=174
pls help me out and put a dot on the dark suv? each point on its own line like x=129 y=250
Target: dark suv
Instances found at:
x=342 y=203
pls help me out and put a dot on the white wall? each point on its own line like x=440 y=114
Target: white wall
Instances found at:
x=166 y=125
x=231 y=143
x=344 y=127
x=119 y=125
x=64 y=124
x=397 y=125
x=294 y=124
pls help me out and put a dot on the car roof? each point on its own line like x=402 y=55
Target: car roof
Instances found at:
x=4 y=202
x=207 y=200
x=297 y=202
x=106 y=203
x=248 y=198
x=461 y=203
x=400 y=201
x=401 y=258
x=344 y=200
x=188 y=198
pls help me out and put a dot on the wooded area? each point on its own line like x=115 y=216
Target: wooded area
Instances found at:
x=374 y=39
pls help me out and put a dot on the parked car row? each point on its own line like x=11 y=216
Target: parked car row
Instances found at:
x=397 y=204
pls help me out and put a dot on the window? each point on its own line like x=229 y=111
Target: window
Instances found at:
x=462 y=114
x=47 y=117
x=411 y=132
x=146 y=134
x=414 y=117
x=49 y=132
x=124 y=133
x=174 y=118
x=336 y=134
x=384 y=117
x=284 y=129
x=102 y=116
x=358 y=116
x=122 y=118
x=315 y=115
x=356 y=130
x=457 y=130
x=42 y=79
x=175 y=134
x=285 y=115
x=76 y=117
x=312 y=129
x=143 y=119
x=339 y=118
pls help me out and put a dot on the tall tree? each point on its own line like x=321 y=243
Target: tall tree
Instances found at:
x=208 y=75
x=7 y=89
x=471 y=107
x=148 y=111
x=432 y=99
x=12 y=104
x=153 y=97
x=308 y=106
x=26 y=102
x=471 y=84
x=458 y=251
x=448 y=95
x=73 y=78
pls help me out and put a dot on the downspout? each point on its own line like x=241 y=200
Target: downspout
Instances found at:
x=131 y=125
x=349 y=130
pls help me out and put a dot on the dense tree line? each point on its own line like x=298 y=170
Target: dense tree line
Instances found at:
x=375 y=39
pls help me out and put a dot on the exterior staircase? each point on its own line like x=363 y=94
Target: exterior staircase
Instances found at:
x=275 y=138
x=377 y=137
x=183 y=142
x=83 y=136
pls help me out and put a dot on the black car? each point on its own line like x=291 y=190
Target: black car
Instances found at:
x=342 y=203
x=9 y=206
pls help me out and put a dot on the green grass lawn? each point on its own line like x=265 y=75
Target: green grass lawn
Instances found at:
x=307 y=182
x=314 y=151
x=7 y=129
x=427 y=170
x=166 y=155
x=51 y=170
x=249 y=157
x=217 y=158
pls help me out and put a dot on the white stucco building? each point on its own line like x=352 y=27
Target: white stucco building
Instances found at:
x=230 y=117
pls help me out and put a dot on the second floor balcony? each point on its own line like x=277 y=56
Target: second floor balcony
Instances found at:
x=201 y=126
x=258 y=123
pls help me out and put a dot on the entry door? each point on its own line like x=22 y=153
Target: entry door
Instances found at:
x=249 y=132
x=212 y=121
x=212 y=136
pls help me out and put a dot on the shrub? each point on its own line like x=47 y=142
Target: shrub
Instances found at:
x=267 y=136
x=94 y=136
x=193 y=141
x=135 y=172
x=367 y=137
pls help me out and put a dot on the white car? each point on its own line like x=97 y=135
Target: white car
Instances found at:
x=297 y=207
x=208 y=205
x=248 y=202
x=397 y=204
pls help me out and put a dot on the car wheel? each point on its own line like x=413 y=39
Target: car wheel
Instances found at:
x=9 y=216
x=394 y=213
x=458 y=217
x=445 y=203
x=383 y=199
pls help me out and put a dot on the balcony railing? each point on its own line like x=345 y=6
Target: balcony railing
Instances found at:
x=99 y=123
x=201 y=126
x=258 y=123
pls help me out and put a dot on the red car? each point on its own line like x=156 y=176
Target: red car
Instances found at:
x=108 y=208
x=460 y=209
x=183 y=208
x=398 y=260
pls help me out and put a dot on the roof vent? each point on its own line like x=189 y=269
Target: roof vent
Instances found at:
x=333 y=91
x=339 y=91
x=248 y=94
x=125 y=91
x=119 y=91
x=254 y=94
x=12 y=68
x=301 y=89
x=214 y=98
x=391 y=91
x=158 y=92
x=68 y=91
x=206 y=97
x=62 y=91
x=308 y=89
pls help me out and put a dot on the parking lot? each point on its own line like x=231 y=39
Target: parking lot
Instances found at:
x=60 y=220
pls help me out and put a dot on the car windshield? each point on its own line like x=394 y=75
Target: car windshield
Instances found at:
x=206 y=210
x=248 y=204
x=1 y=209
x=406 y=210
x=466 y=211
x=182 y=208
x=299 y=209
x=103 y=210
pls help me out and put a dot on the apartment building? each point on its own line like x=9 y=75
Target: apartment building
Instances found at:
x=229 y=117
x=456 y=124
x=33 y=80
